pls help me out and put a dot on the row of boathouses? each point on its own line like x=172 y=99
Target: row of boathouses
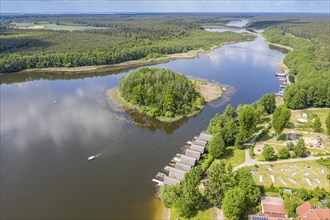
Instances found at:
x=183 y=162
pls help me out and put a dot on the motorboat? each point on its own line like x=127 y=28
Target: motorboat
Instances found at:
x=93 y=157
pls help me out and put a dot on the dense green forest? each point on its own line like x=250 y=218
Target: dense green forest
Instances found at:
x=125 y=38
x=309 y=61
x=161 y=92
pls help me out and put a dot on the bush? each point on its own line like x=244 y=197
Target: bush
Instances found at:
x=290 y=146
x=300 y=149
x=283 y=153
x=269 y=154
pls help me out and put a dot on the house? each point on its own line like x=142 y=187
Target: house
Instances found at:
x=272 y=209
x=273 y=205
x=307 y=212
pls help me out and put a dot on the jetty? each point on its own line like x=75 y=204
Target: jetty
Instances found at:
x=183 y=162
x=280 y=74
x=284 y=82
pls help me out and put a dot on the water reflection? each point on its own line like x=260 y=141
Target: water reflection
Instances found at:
x=45 y=145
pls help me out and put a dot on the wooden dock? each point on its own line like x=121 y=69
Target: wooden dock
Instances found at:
x=183 y=162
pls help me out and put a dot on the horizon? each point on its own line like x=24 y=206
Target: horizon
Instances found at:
x=162 y=6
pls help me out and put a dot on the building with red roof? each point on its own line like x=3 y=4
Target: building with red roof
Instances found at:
x=272 y=209
x=307 y=212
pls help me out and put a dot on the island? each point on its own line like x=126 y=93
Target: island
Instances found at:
x=163 y=94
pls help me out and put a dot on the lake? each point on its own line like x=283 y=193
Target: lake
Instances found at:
x=50 y=127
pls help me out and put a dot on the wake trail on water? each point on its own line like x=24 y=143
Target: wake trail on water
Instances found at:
x=115 y=143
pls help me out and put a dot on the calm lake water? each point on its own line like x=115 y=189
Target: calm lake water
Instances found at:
x=45 y=144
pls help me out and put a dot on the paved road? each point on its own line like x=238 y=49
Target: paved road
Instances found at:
x=220 y=215
x=251 y=162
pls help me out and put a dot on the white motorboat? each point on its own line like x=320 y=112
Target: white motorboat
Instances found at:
x=93 y=157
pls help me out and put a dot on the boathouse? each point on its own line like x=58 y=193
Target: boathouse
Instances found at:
x=183 y=163
x=205 y=137
x=193 y=153
x=176 y=173
x=198 y=148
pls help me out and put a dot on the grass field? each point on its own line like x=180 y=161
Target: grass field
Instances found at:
x=201 y=215
x=49 y=26
x=297 y=172
x=237 y=158
x=322 y=113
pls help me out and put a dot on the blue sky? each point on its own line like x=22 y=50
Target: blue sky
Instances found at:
x=109 y=6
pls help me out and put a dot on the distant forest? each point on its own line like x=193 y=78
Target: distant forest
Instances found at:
x=309 y=62
x=124 y=38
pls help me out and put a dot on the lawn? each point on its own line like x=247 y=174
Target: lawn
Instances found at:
x=201 y=215
x=322 y=113
x=294 y=175
x=237 y=158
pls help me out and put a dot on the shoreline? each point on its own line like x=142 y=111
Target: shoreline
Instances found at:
x=127 y=64
x=209 y=91
x=281 y=65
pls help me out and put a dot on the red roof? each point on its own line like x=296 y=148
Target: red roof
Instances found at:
x=307 y=212
x=303 y=208
x=323 y=213
x=276 y=209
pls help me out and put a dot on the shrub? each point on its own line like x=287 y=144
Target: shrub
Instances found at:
x=290 y=146
x=269 y=154
x=283 y=153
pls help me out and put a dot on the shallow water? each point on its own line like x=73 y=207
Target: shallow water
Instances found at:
x=45 y=144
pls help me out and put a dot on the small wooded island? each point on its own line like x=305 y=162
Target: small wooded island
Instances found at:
x=164 y=94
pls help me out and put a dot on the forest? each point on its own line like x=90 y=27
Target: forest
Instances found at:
x=309 y=61
x=161 y=92
x=123 y=38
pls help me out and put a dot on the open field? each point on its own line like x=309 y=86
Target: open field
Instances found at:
x=50 y=26
x=309 y=174
x=320 y=112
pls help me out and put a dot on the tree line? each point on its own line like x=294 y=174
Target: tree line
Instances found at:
x=161 y=92
x=130 y=39
x=308 y=62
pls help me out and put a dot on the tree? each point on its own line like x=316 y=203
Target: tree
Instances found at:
x=230 y=112
x=268 y=102
x=300 y=149
x=234 y=203
x=190 y=198
x=327 y=122
x=169 y=195
x=215 y=124
x=240 y=140
x=216 y=146
x=318 y=193
x=317 y=124
x=268 y=153
x=245 y=181
x=283 y=153
x=281 y=118
x=160 y=92
x=291 y=202
x=229 y=131
x=247 y=120
x=219 y=182
x=303 y=194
